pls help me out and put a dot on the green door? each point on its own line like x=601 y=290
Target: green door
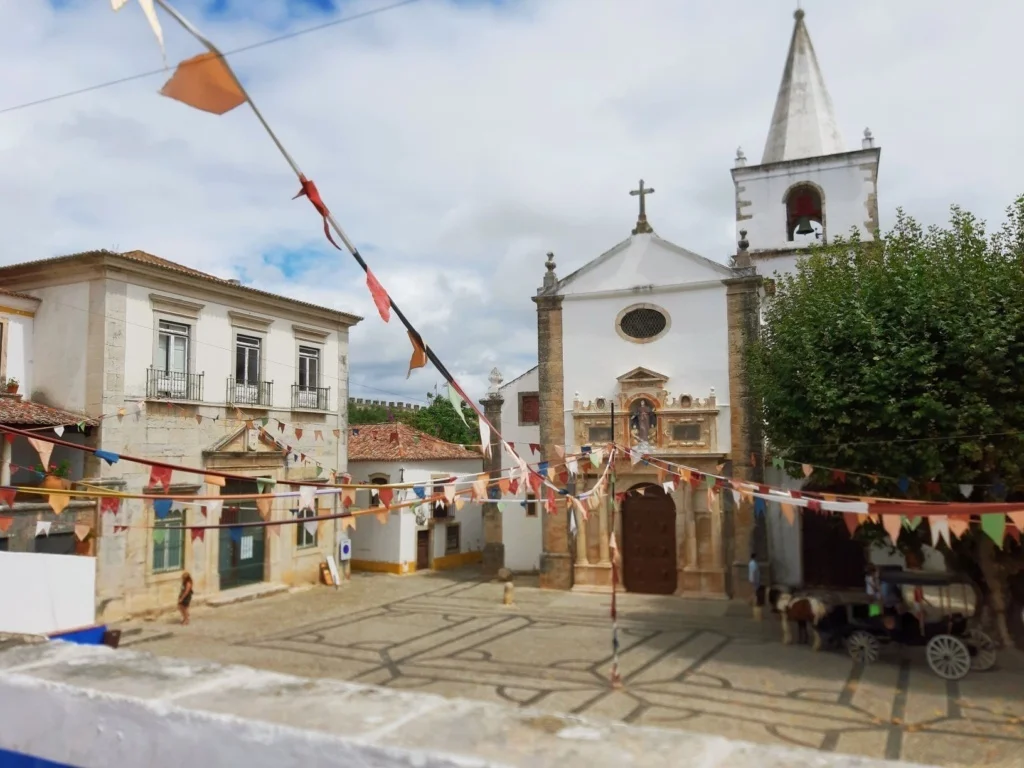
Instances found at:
x=242 y=549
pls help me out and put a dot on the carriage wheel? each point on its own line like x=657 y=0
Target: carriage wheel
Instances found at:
x=862 y=646
x=985 y=650
x=948 y=657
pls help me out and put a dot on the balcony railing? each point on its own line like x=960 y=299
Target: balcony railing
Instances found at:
x=250 y=393
x=311 y=398
x=173 y=385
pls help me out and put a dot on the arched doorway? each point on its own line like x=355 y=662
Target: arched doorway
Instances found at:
x=649 y=541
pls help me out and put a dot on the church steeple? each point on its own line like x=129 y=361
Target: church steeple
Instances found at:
x=804 y=122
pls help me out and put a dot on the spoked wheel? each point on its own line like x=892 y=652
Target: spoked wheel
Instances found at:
x=984 y=657
x=862 y=646
x=948 y=657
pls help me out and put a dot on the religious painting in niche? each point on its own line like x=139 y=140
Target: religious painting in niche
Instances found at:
x=642 y=421
x=599 y=434
x=805 y=214
x=686 y=433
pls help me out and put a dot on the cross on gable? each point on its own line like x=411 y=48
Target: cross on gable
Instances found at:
x=642 y=227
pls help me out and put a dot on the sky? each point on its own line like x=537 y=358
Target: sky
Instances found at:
x=458 y=141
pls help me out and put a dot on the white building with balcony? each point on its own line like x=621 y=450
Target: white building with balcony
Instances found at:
x=184 y=367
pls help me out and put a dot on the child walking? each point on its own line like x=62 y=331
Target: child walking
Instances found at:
x=185 y=596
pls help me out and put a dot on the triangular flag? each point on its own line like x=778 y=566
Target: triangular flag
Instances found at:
x=380 y=296
x=449 y=492
x=120 y=415
x=199 y=418
x=852 y=520
x=736 y=497
x=419 y=354
x=159 y=534
x=162 y=508
x=298 y=433
x=198 y=534
x=480 y=486
x=82 y=531
x=939 y=525
x=386 y=495
x=808 y=470
x=44 y=449
x=596 y=457
x=640 y=491
x=58 y=502
x=5 y=523
x=995 y=526
x=318 y=434
x=212 y=509
x=460 y=502
x=7 y=496
x=204 y=82
x=892 y=525
x=958 y=526
x=456 y=400
x=263 y=483
x=150 y=12
x=43 y=527
x=348 y=522
x=1018 y=519
x=503 y=485
x=668 y=486
x=788 y=513
x=573 y=466
x=263 y=505
x=903 y=484
x=550 y=502
x=383 y=517
x=307 y=497
x=311 y=527
x=160 y=477
x=215 y=480
x=59 y=430
x=966 y=490
x=348 y=497
x=485 y=437
x=1013 y=532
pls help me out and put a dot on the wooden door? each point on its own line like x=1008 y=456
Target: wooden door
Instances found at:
x=649 y=542
x=831 y=558
x=422 y=550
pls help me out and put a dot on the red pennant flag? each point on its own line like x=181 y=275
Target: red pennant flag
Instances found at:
x=563 y=477
x=813 y=505
x=7 y=496
x=5 y=523
x=160 y=477
x=550 y=503
x=198 y=534
x=318 y=435
x=109 y=505
x=838 y=475
x=309 y=190
x=386 y=495
x=620 y=497
x=380 y=296
x=298 y=433
x=535 y=447
x=280 y=426
x=852 y=520
x=536 y=482
x=933 y=488
x=9 y=437
x=695 y=480
x=206 y=83
x=513 y=486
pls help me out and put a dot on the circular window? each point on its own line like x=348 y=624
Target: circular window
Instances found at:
x=643 y=323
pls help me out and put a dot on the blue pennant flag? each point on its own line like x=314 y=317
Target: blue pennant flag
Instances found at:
x=759 y=507
x=162 y=508
x=420 y=491
x=236 y=533
x=107 y=456
x=903 y=483
x=542 y=469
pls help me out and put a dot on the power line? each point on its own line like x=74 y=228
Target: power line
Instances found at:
x=253 y=46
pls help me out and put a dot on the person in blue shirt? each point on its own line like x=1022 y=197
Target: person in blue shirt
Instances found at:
x=754 y=575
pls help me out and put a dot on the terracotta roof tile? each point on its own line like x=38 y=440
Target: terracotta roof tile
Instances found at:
x=400 y=442
x=5 y=292
x=17 y=412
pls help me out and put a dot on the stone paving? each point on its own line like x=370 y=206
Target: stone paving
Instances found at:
x=696 y=665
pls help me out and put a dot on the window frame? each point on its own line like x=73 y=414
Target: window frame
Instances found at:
x=162 y=362
x=522 y=397
x=175 y=517
x=643 y=305
x=254 y=341
x=319 y=350
x=457 y=529
x=377 y=478
x=302 y=536
x=531 y=504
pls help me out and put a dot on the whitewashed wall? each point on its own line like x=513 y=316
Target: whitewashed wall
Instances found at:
x=694 y=354
x=846 y=188
x=510 y=427
x=522 y=537
x=19 y=349
x=60 y=356
x=53 y=593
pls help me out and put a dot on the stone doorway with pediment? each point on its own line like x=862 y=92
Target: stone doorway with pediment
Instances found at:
x=649 y=541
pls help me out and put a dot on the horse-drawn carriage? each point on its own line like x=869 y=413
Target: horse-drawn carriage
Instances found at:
x=952 y=645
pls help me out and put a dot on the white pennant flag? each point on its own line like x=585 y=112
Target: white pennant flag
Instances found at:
x=151 y=17
x=307 y=497
x=456 y=400
x=59 y=431
x=634 y=456
x=966 y=490
x=42 y=527
x=572 y=518
x=44 y=449
x=736 y=496
x=449 y=492
x=213 y=509
x=480 y=486
x=485 y=437
x=310 y=526
x=573 y=466
x=940 y=529
x=669 y=486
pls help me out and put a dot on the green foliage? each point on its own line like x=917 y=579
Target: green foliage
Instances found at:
x=438 y=418
x=874 y=355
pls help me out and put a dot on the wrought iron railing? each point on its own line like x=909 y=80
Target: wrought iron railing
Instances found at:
x=173 y=385
x=250 y=393
x=313 y=398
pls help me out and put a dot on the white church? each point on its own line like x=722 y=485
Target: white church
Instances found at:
x=672 y=327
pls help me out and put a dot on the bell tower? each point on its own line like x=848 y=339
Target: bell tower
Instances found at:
x=808 y=186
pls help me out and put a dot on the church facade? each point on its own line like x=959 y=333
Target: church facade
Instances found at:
x=646 y=346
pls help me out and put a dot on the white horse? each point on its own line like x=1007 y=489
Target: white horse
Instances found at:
x=804 y=610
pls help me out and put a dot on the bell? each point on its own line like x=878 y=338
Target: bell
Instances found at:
x=803 y=226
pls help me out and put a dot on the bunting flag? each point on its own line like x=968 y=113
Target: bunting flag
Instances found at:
x=58 y=502
x=596 y=456
x=535 y=448
x=456 y=400
x=205 y=82
x=160 y=477
x=892 y=524
x=381 y=299
x=318 y=435
x=7 y=496
x=966 y=490
x=216 y=480
x=82 y=531
x=264 y=505
x=348 y=522
x=43 y=527
x=307 y=189
x=307 y=497
x=485 y=436
x=162 y=508
x=59 y=430
x=108 y=456
x=788 y=513
x=212 y=509
x=572 y=466
x=310 y=526
x=6 y=523
x=44 y=449
x=852 y=520
x=808 y=470
x=939 y=526
x=386 y=495
x=550 y=502
x=383 y=517
x=199 y=533
x=480 y=486
x=348 y=497
x=449 y=492
x=460 y=502
x=159 y=534
x=958 y=526
x=151 y=18
x=419 y=354
x=504 y=484
x=994 y=525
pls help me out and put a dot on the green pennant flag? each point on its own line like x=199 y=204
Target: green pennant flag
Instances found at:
x=595 y=462
x=709 y=481
x=911 y=523
x=319 y=470
x=265 y=420
x=994 y=525
x=778 y=463
x=456 y=400
x=262 y=483
x=81 y=426
x=159 y=534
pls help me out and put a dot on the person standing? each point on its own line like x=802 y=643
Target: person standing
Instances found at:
x=754 y=575
x=185 y=596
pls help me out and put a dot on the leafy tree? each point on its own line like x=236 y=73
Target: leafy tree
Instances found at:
x=903 y=357
x=438 y=418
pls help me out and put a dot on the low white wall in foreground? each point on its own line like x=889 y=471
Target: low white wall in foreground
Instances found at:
x=41 y=593
x=92 y=706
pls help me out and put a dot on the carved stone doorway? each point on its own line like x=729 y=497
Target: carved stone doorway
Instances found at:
x=649 y=541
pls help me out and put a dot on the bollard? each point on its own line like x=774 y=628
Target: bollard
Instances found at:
x=507 y=598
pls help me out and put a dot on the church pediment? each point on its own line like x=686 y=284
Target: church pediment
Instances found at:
x=642 y=377
x=244 y=440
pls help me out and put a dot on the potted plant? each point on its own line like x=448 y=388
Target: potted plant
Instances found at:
x=12 y=386
x=54 y=476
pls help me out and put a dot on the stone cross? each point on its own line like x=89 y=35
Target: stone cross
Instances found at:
x=642 y=227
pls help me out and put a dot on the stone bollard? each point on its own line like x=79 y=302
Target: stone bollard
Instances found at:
x=509 y=594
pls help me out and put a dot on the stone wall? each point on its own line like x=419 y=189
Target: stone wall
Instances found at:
x=125 y=708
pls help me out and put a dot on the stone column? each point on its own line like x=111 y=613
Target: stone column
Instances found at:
x=494 y=542
x=743 y=294
x=556 y=559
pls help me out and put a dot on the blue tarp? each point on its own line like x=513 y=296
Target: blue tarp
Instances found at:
x=83 y=636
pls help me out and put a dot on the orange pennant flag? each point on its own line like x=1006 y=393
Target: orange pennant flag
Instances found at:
x=1018 y=519
x=958 y=526
x=206 y=83
x=5 y=523
x=893 y=524
x=382 y=518
x=419 y=354
x=82 y=531
x=263 y=504
x=274 y=530
x=504 y=484
x=348 y=522
x=852 y=520
x=58 y=502
x=215 y=480
x=788 y=513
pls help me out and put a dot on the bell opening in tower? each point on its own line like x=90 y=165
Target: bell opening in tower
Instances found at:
x=805 y=215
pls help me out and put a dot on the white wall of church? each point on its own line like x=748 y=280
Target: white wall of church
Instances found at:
x=846 y=187
x=694 y=353
x=521 y=533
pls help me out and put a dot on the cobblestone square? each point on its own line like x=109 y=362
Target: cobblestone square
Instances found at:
x=696 y=665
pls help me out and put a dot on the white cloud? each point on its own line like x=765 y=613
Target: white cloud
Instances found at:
x=460 y=142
